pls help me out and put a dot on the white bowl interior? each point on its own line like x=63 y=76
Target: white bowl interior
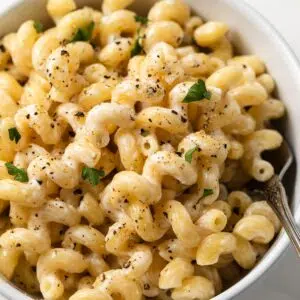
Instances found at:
x=250 y=34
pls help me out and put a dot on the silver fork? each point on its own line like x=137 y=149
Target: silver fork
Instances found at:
x=274 y=193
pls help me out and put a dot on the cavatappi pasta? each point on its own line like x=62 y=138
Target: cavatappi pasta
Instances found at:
x=126 y=142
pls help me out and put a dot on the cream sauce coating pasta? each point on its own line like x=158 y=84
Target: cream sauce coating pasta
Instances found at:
x=125 y=145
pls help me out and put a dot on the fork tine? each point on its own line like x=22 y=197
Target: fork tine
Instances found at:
x=287 y=153
x=280 y=158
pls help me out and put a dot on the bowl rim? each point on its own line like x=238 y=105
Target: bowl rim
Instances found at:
x=282 y=241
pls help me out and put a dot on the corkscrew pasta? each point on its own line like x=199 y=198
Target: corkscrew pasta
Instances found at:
x=126 y=143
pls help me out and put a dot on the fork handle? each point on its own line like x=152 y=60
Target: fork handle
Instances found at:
x=281 y=207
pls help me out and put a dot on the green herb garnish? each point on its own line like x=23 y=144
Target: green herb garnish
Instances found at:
x=144 y=132
x=189 y=154
x=142 y=20
x=20 y=174
x=197 y=92
x=137 y=48
x=84 y=34
x=92 y=175
x=14 y=134
x=38 y=26
x=207 y=192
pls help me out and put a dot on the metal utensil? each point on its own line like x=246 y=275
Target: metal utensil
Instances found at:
x=274 y=193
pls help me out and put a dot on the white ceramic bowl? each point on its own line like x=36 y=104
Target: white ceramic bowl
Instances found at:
x=251 y=33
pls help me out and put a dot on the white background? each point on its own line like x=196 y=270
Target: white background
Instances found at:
x=282 y=281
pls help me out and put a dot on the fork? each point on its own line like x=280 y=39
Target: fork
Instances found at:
x=274 y=193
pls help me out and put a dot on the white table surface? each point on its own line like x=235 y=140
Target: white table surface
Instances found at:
x=282 y=281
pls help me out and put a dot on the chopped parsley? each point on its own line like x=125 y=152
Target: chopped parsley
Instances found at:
x=20 y=174
x=84 y=34
x=142 y=20
x=14 y=134
x=38 y=26
x=137 y=48
x=144 y=132
x=207 y=192
x=189 y=154
x=197 y=92
x=92 y=175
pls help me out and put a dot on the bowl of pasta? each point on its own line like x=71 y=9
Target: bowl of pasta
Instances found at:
x=128 y=134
